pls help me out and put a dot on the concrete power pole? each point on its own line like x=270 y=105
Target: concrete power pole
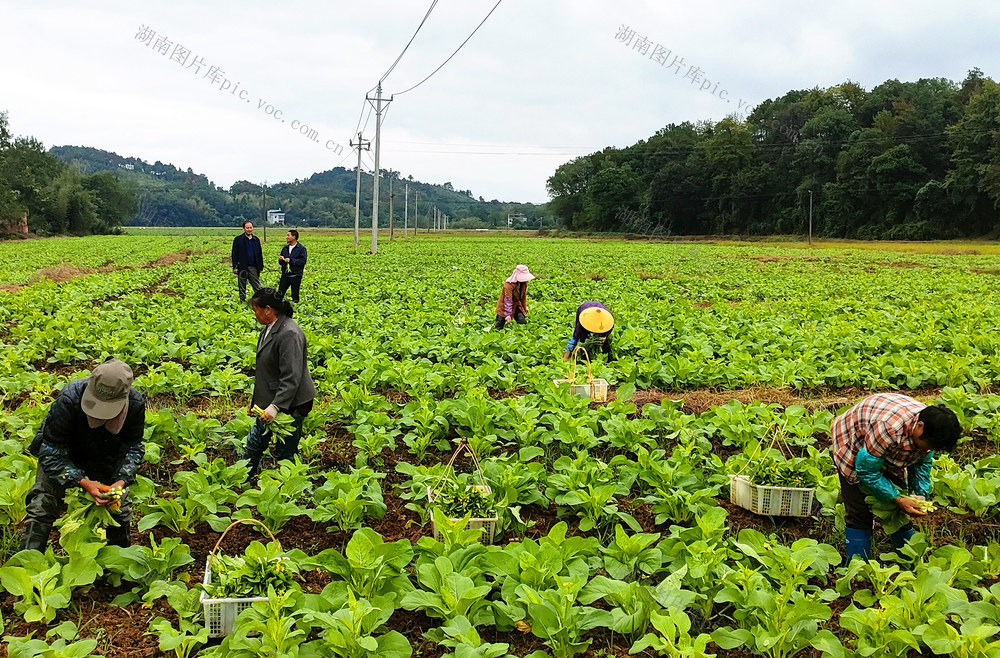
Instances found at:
x=391 y=216
x=406 y=208
x=378 y=141
x=361 y=144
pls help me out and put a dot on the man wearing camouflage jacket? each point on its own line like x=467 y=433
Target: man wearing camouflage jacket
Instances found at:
x=91 y=438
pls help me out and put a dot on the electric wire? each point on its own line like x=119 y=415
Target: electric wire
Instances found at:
x=429 y=10
x=453 y=54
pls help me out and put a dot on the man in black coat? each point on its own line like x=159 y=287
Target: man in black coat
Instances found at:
x=91 y=438
x=248 y=260
x=293 y=262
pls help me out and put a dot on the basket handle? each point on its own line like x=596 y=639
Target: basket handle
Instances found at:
x=462 y=445
x=571 y=375
x=776 y=437
x=237 y=522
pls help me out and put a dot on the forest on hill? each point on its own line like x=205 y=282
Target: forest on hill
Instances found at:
x=906 y=160
x=54 y=197
x=168 y=196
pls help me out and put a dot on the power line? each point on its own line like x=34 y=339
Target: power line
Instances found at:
x=530 y=146
x=367 y=118
x=453 y=54
x=361 y=116
x=482 y=152
x=386 y=74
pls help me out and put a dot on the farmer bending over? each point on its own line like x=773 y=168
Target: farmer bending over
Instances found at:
x=593 y=319
x=883 y=447
x=92 y=435
x=513 y=303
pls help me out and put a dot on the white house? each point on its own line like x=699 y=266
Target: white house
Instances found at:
x=276 y=217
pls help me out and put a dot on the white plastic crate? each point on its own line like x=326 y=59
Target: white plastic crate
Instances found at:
x=220 y=614
x=770 y=501
x=489 y=525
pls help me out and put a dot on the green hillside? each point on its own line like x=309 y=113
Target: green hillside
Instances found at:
x=169 y=196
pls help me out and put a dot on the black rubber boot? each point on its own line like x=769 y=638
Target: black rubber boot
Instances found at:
x=36 y=536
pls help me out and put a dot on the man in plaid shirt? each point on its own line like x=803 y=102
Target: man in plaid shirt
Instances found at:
x=883 y=447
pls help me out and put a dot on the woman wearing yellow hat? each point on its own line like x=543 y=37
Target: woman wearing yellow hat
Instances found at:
x=513 y=302
x=592 y=318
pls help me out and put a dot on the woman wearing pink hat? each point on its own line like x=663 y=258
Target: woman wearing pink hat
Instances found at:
x=513 y=302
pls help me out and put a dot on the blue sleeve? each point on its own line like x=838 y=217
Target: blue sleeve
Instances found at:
x=235 y=255
x=869 y=470
x=920 y=476
x=571 y=344
x=260 y=255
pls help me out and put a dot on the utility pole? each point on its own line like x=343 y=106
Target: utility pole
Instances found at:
x=361 y=144
x=378 y=140
x=810 y=217
x=406 y=208
x=263 y=208
x=391 y=215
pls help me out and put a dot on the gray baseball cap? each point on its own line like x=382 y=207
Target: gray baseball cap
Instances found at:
x=107 y=390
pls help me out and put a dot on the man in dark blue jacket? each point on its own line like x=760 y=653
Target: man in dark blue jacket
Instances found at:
x=293 y=262
x=248 y=260
x=91 y=438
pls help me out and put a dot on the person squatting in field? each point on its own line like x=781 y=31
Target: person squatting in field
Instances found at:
x=513 y=302
x=248 y=260
x=593 y=321
x=92 y=435
x=883 y=447
x=282 y=382
x=293 y=264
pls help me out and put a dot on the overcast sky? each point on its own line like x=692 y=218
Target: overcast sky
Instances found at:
x=541 y=82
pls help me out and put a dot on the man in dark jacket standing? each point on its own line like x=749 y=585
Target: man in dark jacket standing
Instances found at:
x=92 y=435
x=248 y=260
x=293 y=262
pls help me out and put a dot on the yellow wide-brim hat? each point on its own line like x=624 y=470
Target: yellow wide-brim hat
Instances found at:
x=596 y=320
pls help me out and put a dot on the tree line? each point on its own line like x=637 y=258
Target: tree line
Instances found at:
x=57 y=198
x=169 y=196
x=907 y=160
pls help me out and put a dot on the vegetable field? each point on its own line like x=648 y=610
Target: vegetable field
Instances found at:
x=614 y=530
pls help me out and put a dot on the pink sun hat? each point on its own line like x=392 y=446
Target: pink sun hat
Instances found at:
x=520 y=275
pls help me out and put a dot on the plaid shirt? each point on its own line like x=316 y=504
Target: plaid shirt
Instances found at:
x=883 y=425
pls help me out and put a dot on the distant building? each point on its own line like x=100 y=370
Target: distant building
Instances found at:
x=515 y=217
x=276 y=217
